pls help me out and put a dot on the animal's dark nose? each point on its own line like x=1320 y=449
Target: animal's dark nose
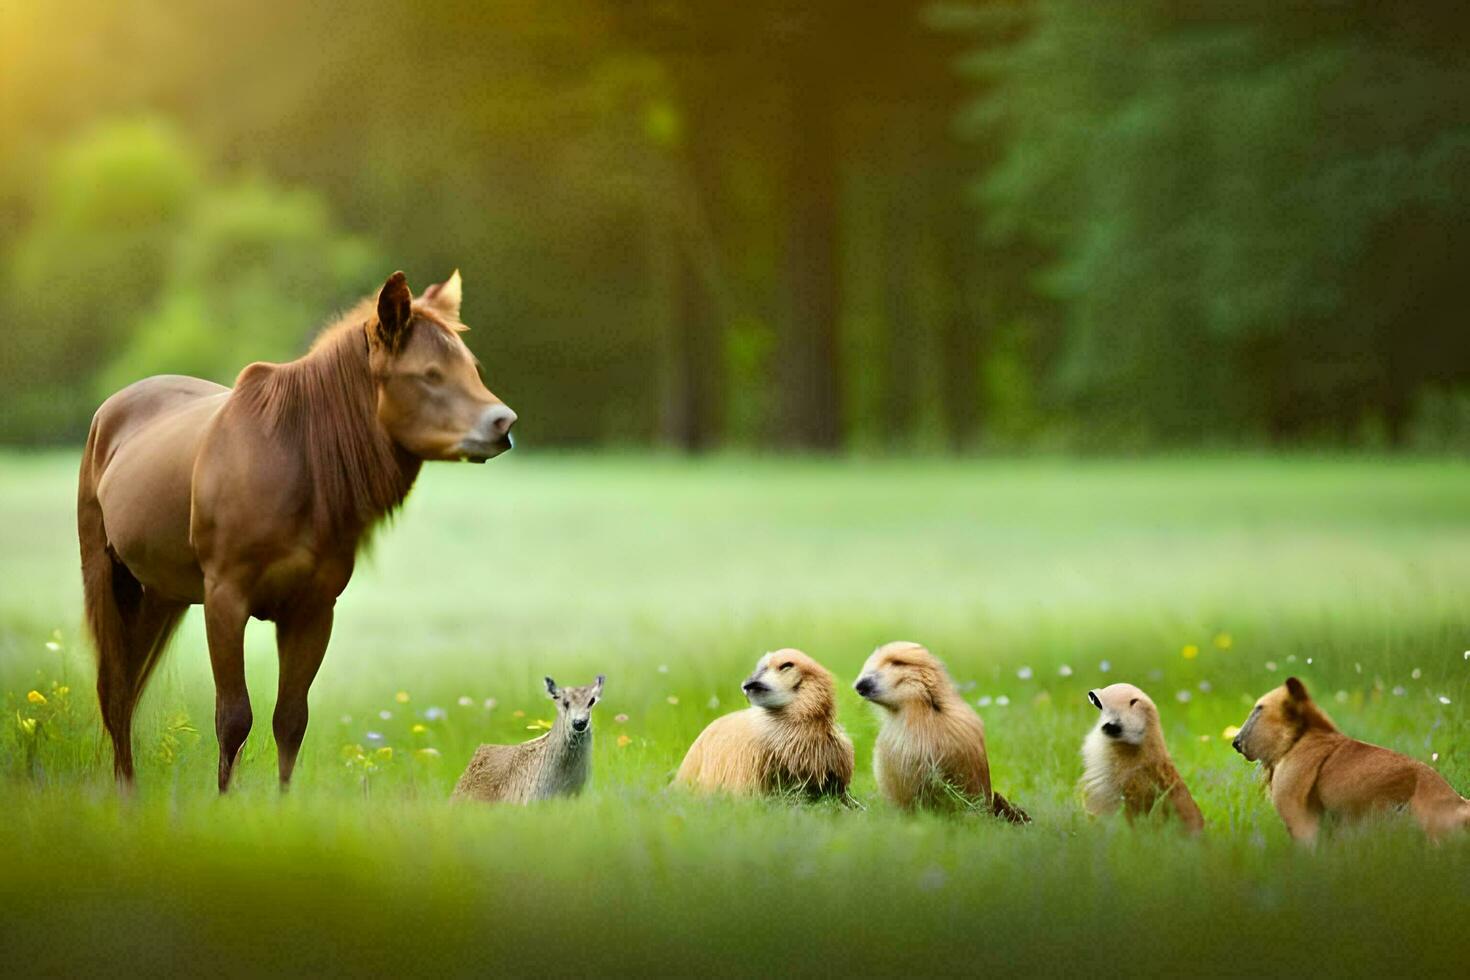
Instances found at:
x=1112 y=729
x=865 y=686
x=751 y=686
x=1235 y=744
x=580 y=725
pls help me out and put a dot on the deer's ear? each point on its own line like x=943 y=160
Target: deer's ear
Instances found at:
x=551 y=687
x=1297 y=690
x=395 y=311
x=445 y=296
x=597 y=686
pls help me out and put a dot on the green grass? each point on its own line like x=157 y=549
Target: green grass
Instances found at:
x=672 y=577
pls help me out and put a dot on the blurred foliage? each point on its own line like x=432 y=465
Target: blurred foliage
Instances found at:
x=264 y=261
x=1251 y=212
x=138 y=263
x=889 y=227
x=96 y=253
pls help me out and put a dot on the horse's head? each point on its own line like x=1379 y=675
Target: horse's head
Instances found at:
x=430 y=396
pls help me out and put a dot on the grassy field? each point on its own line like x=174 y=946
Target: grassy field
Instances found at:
x=1204 y=581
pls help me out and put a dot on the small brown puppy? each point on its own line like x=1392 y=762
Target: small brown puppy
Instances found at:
x=788 y=740
x=1313 y=769
x=931 y=748
x=1126 y=761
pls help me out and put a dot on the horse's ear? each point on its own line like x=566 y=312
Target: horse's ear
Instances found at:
x=395 y=310
x=445 y=296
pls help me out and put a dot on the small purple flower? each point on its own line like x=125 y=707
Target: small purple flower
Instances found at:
x=435 y=714
x=374 y=736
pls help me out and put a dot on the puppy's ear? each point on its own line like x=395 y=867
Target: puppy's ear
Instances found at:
x=1092 y=696
x=1297 y=690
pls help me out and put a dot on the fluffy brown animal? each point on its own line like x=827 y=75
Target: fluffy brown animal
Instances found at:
x=1313 y=769
x=1126 y=762
x=787 y=741
x=931 y=749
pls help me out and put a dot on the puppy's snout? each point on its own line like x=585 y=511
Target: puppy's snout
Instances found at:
x=1112 y=729
x=865 y=686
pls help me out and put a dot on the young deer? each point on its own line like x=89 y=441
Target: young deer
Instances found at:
x=555 y=764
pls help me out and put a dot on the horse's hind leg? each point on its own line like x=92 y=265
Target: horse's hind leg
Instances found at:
x=225 y=615
x=127 y=653
x=147 y=632
x=301 y=641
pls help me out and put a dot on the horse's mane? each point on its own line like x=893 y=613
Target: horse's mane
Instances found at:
x=325 y=405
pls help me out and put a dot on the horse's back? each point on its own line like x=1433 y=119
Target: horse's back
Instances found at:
x=140 y=465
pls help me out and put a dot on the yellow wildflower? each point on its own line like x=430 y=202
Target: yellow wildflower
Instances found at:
x=401 y=697
x=385 y=753
x=1230 y=731
x=539 y=725
x=672 y=699
x=518 y=713
x=1190 y=651
x=36 y=697
x=27 y=725
x=624 y=741
x=419 y=729
x=1224 y=641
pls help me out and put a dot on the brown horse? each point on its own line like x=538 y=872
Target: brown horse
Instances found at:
x=253 y=500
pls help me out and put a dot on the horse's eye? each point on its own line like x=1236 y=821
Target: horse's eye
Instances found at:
x=433 y=376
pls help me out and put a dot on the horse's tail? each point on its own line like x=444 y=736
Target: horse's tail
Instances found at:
x=1004 y=808
x=112 y=597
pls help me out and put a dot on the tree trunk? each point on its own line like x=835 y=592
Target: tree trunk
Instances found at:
x=811 y=400
x=961 y=331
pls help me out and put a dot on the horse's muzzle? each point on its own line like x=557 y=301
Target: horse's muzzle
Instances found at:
x=491 y=435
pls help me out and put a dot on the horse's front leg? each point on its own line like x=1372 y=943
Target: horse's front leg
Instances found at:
x=301 y=641
x=226 y=612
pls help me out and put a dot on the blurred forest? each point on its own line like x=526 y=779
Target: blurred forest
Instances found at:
x=818 y=225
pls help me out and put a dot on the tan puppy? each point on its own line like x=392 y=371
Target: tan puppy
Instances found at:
x=931 y=749
x=1313 y=769
x=1126 y=762
x=788 y=740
